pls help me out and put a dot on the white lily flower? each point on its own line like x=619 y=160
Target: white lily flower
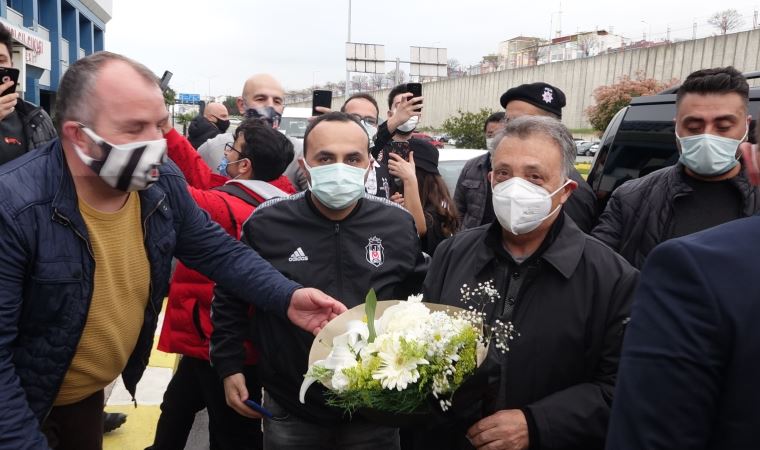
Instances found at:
x=355 y=337
x=340 y=358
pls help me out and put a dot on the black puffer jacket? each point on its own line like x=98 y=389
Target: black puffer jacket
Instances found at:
x=639 y=215
x=48 y=270
x=38 y=127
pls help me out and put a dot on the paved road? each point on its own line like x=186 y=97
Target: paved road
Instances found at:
x=140 y=428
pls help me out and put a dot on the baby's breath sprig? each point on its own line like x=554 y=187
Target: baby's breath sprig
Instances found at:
x=476 y=298
x=502 y=333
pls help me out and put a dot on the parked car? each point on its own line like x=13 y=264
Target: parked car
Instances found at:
x=593 y=149
x=294 y=121
x=641 y=139
x=581 y=147
x=451 y=161
x=428 y=138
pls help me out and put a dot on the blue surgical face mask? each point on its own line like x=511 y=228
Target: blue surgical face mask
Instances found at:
x=338 y=185
x=709 y=155
x=222 y=167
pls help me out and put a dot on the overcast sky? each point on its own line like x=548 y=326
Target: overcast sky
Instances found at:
x=218 y=44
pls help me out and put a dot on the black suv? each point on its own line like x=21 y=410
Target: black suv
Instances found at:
x=641 y=139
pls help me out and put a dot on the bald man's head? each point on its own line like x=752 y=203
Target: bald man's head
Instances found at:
x=216 y=111
x=260 y=91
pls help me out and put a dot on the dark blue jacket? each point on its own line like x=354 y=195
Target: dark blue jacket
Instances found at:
x=689 y=376
x=47 y=272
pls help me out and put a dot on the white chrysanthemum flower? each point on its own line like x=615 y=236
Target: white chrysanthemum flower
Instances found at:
x=397 y=370
x=414 y=298
x=403 y=317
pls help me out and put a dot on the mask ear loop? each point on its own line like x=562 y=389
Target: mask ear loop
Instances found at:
x=558 y=206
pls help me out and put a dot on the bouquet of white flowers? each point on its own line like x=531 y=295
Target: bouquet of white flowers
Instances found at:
x=413 y=351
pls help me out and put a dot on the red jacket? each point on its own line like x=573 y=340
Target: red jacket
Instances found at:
x=187 y=322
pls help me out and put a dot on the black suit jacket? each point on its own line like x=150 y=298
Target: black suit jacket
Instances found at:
x=689 y=376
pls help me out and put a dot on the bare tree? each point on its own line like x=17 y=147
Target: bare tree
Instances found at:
x=453 y=67
x=726 y=20
x=359 y=83
x=588 y=44
x=376 y=80
x=391 y=77
x=340 y=87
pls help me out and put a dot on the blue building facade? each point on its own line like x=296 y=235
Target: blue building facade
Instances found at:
x=50 y=35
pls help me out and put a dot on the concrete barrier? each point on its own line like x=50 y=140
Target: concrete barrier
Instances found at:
x=578 y=78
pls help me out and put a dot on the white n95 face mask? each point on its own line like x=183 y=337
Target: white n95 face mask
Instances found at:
x=521 y=206
x=490 y=144
x=370 y=129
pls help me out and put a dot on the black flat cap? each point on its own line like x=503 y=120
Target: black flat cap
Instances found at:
x=541 y=95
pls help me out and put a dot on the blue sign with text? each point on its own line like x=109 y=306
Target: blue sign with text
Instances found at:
x=188 y=99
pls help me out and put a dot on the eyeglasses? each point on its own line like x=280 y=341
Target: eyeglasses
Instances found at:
x=369 y=120
x=229 y=148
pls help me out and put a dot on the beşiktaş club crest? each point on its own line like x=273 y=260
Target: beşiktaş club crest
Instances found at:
x=548 y=95
x=375 y=255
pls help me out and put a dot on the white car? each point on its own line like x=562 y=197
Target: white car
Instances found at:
x=452 y=160
x=294 y=121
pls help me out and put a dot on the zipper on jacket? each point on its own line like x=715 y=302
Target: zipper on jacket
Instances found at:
x=63 y=220
x=147 y=251
x=338 y=259
x=668 y=226
x=146 y=356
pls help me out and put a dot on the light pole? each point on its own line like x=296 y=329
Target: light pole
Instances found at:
x=650 y=29
x=209 y=78
x=348 y=74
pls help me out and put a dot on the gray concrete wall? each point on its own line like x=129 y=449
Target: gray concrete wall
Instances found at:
x=579 y=78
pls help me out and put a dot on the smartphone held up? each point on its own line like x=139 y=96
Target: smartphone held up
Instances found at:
x=416 y=90
x=9 y=74
x=320 y=97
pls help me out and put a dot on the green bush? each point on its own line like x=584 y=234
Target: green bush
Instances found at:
x=467 y=128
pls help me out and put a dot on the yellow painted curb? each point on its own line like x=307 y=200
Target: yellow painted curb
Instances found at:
x=139 y=430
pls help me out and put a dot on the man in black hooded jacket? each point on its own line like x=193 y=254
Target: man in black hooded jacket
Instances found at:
x=215 y=120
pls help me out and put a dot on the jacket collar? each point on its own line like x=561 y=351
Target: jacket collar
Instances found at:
x=565 y=252
x=318 y=213
x=748 y=192
x=484 y=161
x=562 y=248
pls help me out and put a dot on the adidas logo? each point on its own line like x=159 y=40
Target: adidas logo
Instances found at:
x=298 y=256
